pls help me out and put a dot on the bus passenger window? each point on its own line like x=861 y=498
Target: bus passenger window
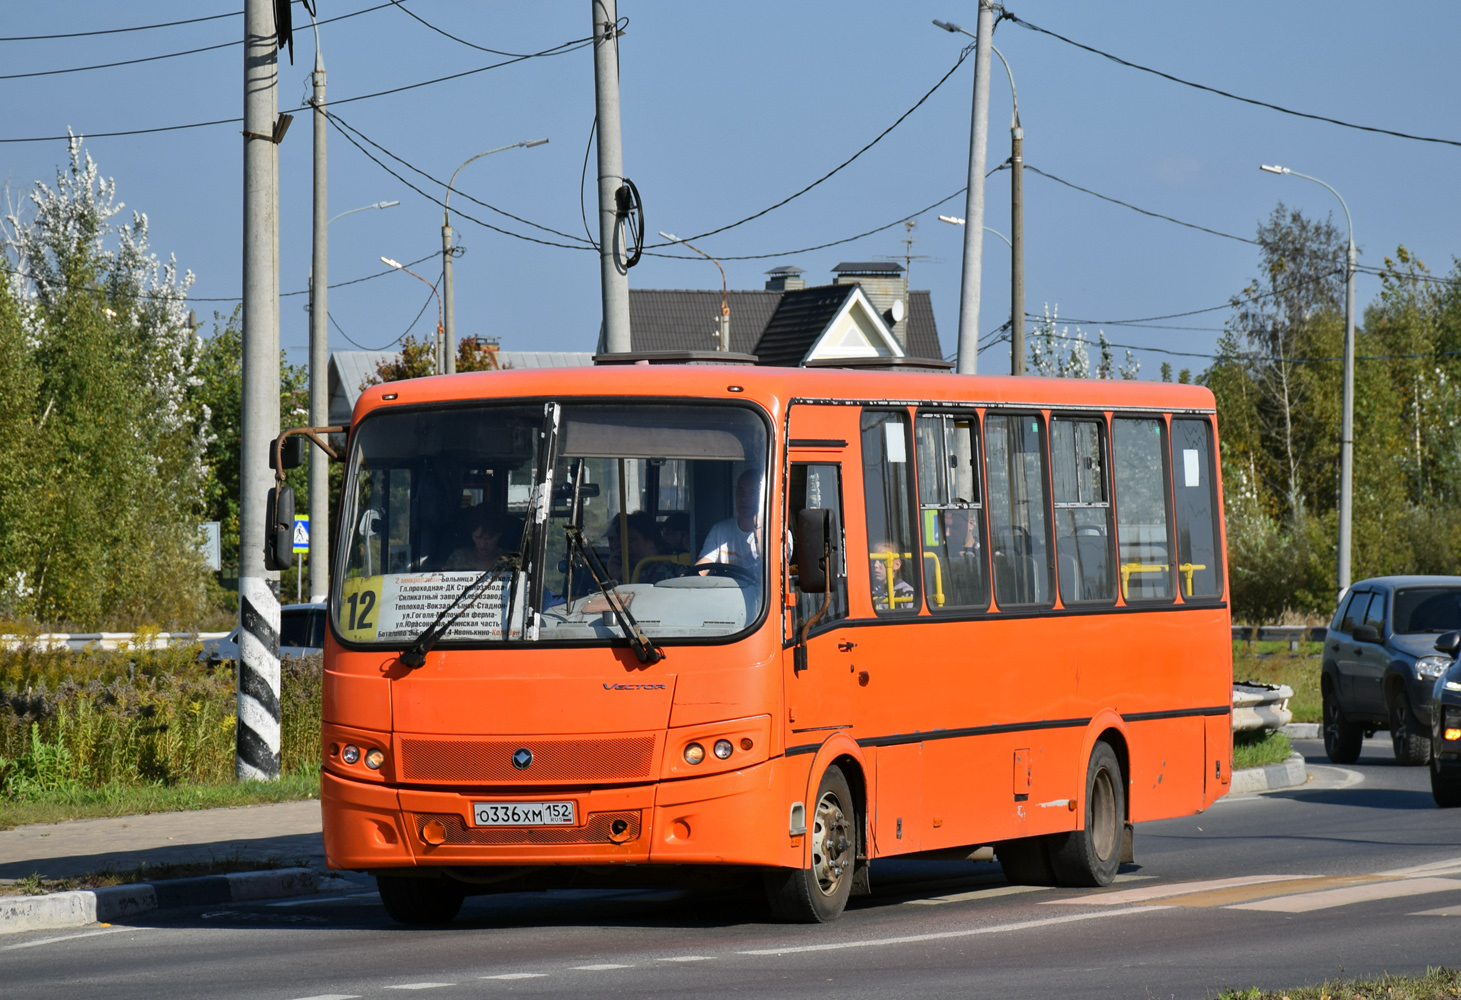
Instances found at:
x=888 y=490
x=1141 y=509
x=1082 y=510
x=951 y=512
x=819 y=487
x=1018 y=535
x=1198 y=553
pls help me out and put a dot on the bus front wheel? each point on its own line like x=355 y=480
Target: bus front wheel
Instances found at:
x=818 y=893
x=420 y=900
x=1090 y=856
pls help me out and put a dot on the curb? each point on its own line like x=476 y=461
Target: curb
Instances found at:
x=1302 y=731
x=118 y=902
x=1290 y=773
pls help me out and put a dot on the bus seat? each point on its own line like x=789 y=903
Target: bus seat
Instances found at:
x=1071 y=578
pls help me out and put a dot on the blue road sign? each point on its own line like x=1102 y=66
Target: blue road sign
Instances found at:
x=301 y=533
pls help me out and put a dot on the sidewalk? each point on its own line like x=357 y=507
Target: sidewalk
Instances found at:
x=289 y=831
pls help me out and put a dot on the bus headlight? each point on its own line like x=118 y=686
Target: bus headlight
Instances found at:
x=694 y=753
x=374 y=758
x=723 y=749
x=350 y=754
x=1432 y=666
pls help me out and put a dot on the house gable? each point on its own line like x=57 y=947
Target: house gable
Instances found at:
x=856 y=331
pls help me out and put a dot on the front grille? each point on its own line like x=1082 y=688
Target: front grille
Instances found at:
x=595 y=831
x=489 y=761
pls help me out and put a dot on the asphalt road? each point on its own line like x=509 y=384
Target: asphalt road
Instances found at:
x=1356 y=874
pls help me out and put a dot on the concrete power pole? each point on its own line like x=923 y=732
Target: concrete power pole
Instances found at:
x=613 y=275
x=257 y=755
x=974 y=207
x=319 y=352
x=1017 y=251
x=446 y=360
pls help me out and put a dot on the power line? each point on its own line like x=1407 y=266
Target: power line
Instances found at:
x=1135 y=208
x=623 y=23
x=165 y=55
x=1006 y=15
x=118 y=31
x=878 y=138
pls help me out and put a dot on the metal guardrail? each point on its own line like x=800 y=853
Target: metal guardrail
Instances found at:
x=79 y=641
x=1261 y=706
x=1279 y=633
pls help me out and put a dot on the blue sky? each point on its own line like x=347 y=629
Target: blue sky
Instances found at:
x=730 y=108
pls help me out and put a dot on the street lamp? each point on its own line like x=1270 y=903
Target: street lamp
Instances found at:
x=1017 y=213
x=724 y=294
x=954 y=220
x=447 y=349
x=1346 y=429
x=439 y=330
x=319 y=361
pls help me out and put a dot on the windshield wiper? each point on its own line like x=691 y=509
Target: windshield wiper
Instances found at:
x=415 y=655
x=644 y=647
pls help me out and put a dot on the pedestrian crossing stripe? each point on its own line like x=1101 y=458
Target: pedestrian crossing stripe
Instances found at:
x=1309 y=901
x=1147 y=893
x=1278 y=893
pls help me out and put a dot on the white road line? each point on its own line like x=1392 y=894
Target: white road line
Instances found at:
x=1430 y=868
x=1305 y=902
x=516 y=975
x=601 y=968
x=333 y=899
x=72 y=937
x=334 y=996
x=1444 y=911
x=1150 y=892
x=418 y=986
x=969 y=932
x=991 y=893
x=687 y=958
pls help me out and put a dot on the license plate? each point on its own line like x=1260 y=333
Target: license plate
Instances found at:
x=523 y=813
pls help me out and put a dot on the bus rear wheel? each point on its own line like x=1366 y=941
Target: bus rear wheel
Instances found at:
x=818 y=893
x=1090 y=856
x=420 y=900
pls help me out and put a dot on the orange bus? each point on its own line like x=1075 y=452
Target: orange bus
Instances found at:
x=691 y=616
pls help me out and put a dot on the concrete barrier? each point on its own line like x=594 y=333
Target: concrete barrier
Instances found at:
x=78 y=642
x=1261 y=706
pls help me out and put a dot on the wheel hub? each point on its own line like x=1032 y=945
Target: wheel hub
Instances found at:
x=831 y=845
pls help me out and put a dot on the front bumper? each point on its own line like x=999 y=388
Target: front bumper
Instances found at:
x=735 y=817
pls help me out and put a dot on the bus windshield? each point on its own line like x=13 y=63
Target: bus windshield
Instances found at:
x=663 y=504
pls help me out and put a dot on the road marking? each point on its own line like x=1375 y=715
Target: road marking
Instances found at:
x=601 y=968
x=1430 y=868
x=1309 y=901
x=516 y=975
x=1288 y=887
x=1445 y=911
x=1149 y=892
x=71 y=937
x=991 y=893
x=333 y=899
x=418 y=986
x=687 y=958
x=946 y=935
x=334 y=996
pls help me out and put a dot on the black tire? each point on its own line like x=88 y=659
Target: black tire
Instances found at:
x=1412 y=747
x=818 y=894
x=1445 y=788
x=420 y=900
x=1026 y=861
x=1342 y=738
x=1089 y=857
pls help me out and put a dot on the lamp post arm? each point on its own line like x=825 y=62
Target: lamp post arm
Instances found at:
x=1347 y=220
x=446 y=202
x=365 y=208
x=1014 y=95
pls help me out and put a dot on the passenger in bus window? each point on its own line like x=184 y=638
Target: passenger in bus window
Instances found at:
x=644 y=544
x=674 y=534
x=886 y=562
x=965 y=585
x=485 y=530
x=737 y=540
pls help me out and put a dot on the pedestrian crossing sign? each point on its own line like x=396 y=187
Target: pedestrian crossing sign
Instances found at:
x=301 y=533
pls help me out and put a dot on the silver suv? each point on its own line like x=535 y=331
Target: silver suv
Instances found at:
x=1380 y=663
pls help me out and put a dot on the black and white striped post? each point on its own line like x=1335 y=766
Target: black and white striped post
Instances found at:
x=257 y=754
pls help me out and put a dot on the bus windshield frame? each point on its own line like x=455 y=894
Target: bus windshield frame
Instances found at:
x=541 y=487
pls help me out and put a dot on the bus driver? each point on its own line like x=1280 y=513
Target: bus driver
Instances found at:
x=737 y=540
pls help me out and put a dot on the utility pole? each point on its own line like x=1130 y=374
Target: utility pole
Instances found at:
x=974 y=209
x=613 y=275
x=319 y=349
x=257 y=753
x=1017 y=248
x=446 y=359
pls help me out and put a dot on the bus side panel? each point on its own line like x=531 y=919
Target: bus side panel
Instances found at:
x=1168 y=757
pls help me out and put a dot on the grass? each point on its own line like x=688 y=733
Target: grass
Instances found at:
x=1436 y=984
x=117 y=799
x=1260 y=749
x=35 y=885
x=1272 y=663
x=117 y=733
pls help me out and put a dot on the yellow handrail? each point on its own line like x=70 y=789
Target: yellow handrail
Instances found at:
x=1186 y=569
x=680 y=559
x=888 y=558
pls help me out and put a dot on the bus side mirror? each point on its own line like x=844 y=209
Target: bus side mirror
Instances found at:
x=1449 y=643
x=813 y=549
x=279 y=531
x=290 y=452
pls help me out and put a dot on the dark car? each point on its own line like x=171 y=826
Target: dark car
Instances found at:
x=301 y=633
x=1381 y=663
x=1446 y=728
